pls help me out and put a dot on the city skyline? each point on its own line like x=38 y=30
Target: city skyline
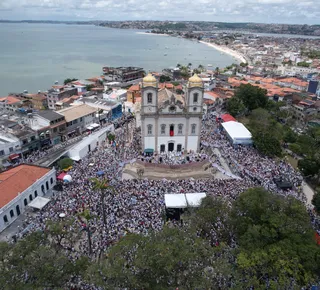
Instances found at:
x=260 y=11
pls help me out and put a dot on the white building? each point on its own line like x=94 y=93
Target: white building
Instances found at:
x=171 y=122
x=19 y=186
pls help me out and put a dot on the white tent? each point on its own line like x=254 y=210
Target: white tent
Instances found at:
x=175 y=201
x=194 y=199
x=183 y=200
x=39 y=202
x=237 y=132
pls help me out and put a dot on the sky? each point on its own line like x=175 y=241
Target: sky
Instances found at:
x=261 y=11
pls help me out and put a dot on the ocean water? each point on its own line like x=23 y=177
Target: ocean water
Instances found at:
x=34 y=56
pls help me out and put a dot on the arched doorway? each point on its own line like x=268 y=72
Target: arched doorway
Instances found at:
x=170 y=146
x=179 y=147
x=18 y=210
x=11 y=213
x=162 y=148
x=25 y=202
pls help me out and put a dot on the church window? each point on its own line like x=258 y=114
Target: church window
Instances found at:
x=149 y=97
x=195 y=97
x=180 y=127
x=163 y=129
x=149 y=129
x=172 y=109
x=193 y=128
x=171 y=130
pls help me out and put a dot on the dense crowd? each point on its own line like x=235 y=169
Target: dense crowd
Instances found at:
x=137 y=206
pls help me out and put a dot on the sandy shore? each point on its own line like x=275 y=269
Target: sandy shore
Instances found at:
x=226 y=50
x=147 y=33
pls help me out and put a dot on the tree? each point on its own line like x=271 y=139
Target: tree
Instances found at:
x=253 y=97
x=33 y=264
x=316 y=201
x=267 y=143
x=243 y=64
x=235 y=106
x=102 y=186
x=164 y=260
x=201 y=68
x=164 y=78
x=67 y=81
x=87 y=216
x=65 y=163
x=89 y=87
x=111 y=137
x=213 y=212
x=275 y=240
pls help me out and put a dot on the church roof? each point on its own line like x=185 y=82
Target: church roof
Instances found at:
x=166 y=95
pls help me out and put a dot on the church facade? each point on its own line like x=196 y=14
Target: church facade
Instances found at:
x=171 y=122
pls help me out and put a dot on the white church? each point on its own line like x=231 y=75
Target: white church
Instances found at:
x=171 y=122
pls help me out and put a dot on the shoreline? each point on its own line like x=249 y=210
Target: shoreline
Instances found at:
x=149 y=33
x=235 y=54
x=239 y=56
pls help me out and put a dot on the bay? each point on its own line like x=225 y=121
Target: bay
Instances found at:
x=34 y=56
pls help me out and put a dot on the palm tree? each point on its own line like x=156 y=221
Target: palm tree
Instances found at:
x=217 y=70
x=102 y=185
x=201 y=68
x=87 y=216
x=178 y=65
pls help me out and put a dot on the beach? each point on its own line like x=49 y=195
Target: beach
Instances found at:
x=226 y=50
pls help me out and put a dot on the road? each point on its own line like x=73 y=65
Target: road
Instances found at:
x=47 y=160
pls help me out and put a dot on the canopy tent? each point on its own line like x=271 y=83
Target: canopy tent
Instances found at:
x=61 y=175
x=67 y=178
x=148 y=150
x=194 y=199
x=227 y=118
x=175 y=201
x=237 y=132
x=14 y=156
x=183 y=200
x=39 y=202
x=95 y=125
x=100 y=173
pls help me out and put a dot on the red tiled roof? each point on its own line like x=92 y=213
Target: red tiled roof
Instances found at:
x=134 y=88
x=227 y=118
x=17 y=180
x=10 y=100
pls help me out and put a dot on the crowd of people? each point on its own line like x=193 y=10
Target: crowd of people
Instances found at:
x=137 y=205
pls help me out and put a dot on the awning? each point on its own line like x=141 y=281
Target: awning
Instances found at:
x=61 y=175
x=183 y=200
x=149 y=150
x=75 y=158
x=39 y=202
x=95 y=125
x=89 y=127
x=14 y=156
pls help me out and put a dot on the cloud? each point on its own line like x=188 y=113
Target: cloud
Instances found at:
x=276 y=11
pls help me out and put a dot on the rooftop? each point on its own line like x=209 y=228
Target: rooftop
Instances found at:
x=49 y=115
x=76 y=112
x=16 y=180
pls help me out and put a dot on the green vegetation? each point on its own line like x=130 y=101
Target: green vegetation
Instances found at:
x=65 y=163
x=67 y=81
x=111 y=137
x=313 y=54
x=316 y=201
x=303 y=64
x=275 y=244
x=164 y=79
x=89 y=87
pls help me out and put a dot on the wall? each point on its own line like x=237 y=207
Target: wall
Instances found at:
x=19 y=200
